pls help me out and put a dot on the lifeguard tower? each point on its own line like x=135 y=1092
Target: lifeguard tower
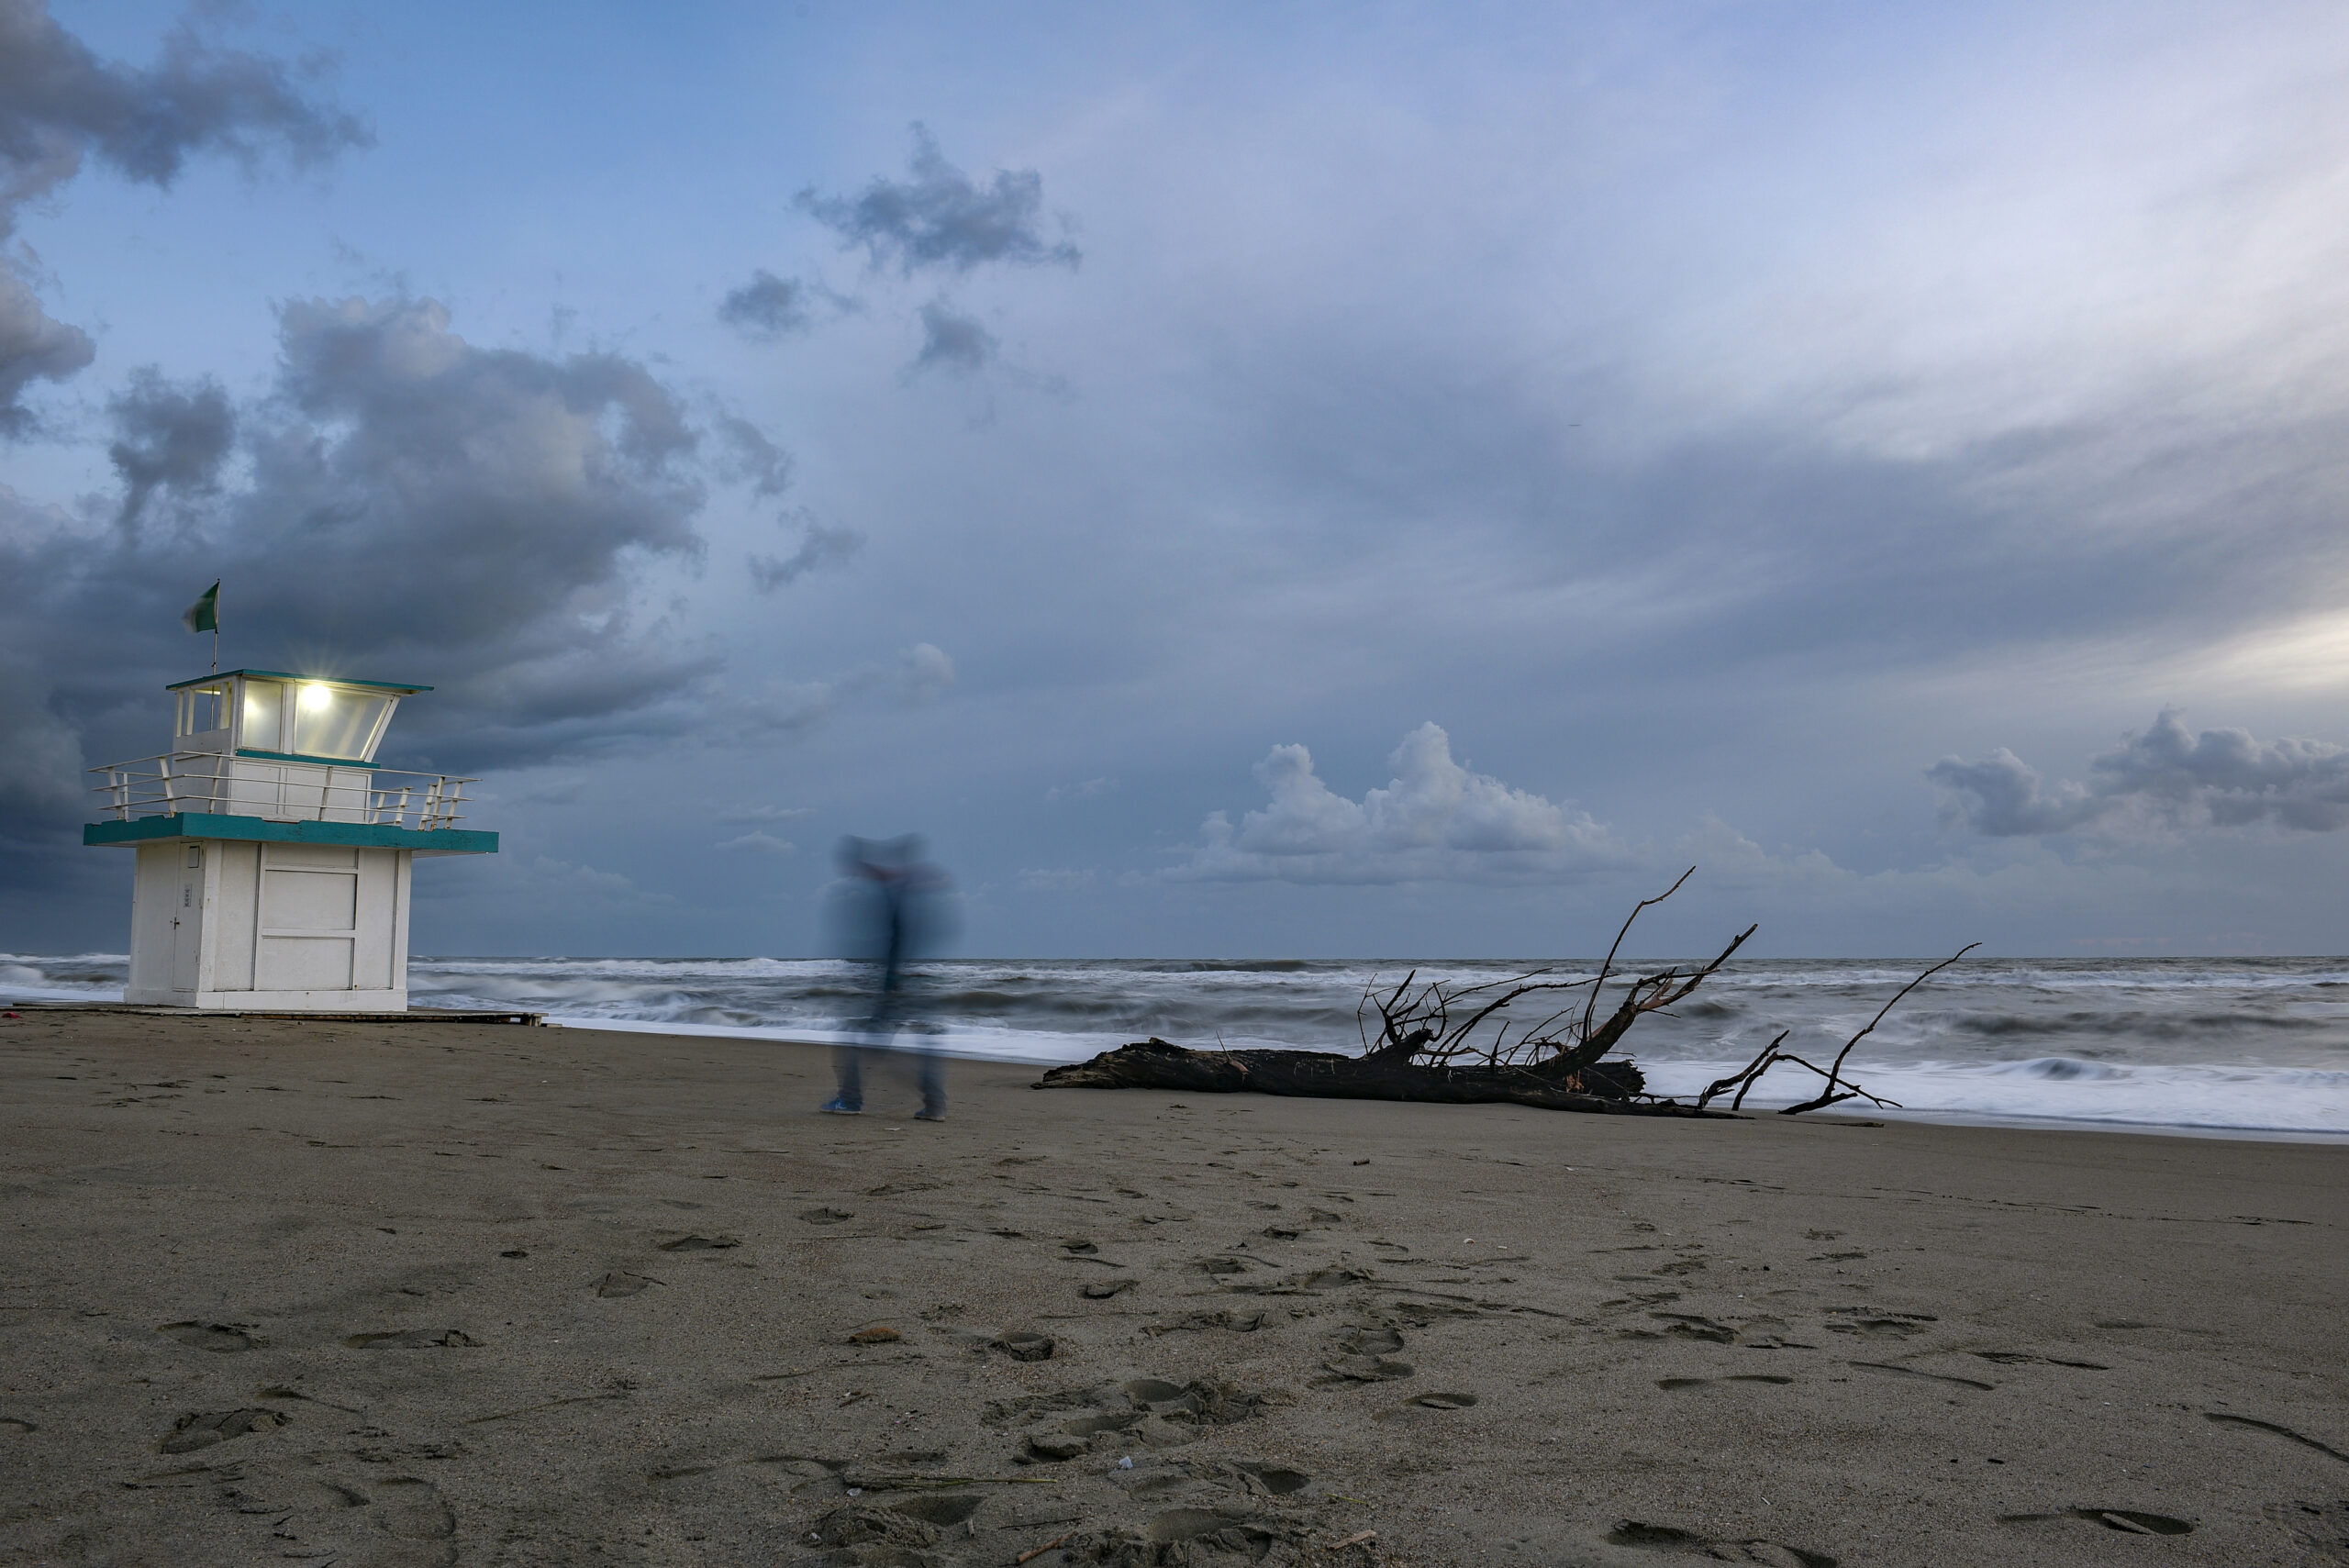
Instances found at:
x=272 y=851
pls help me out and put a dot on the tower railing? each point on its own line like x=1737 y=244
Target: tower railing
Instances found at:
x=228 y=785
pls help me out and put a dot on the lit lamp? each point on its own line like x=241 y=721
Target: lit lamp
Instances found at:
x=272 y=853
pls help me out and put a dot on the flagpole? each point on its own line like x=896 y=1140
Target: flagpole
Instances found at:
x=215 y=629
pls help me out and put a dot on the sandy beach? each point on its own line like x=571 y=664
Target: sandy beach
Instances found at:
x=430 y=1294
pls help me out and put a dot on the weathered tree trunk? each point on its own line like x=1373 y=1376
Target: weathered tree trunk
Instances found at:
x=1603 y=1087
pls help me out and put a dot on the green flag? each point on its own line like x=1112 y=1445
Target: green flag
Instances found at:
x=204 y=614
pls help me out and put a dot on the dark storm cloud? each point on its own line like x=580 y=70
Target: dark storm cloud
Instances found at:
x=938 y=218
x=953 y=343
x=34 y=346
x=60 y=105
x=2164 y=778
x=766 y=307
x=415 y=508
x=168 y=437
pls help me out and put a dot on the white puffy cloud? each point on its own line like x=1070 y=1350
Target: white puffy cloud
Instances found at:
x=1435 y=821
x=2164 y=779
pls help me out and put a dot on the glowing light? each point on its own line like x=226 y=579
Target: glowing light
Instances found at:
x=314 y=696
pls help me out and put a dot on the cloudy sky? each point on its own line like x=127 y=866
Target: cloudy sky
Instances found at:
x=1348 y=480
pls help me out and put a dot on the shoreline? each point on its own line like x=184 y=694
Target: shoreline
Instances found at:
x=499 y=1295
x=791 y=1036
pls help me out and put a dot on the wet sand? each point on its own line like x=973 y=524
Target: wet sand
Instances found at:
x=430 y=1294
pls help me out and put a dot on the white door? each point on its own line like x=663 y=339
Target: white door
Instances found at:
x=187 y=920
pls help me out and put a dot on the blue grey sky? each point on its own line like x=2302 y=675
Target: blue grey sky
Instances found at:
x=1244 y=480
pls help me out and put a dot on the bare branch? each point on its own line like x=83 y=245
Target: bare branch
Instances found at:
x=1828 y=1096
x=1609 y=963
x=1753 y=1069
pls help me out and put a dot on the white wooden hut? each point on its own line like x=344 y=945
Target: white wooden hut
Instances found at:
x=273 y=853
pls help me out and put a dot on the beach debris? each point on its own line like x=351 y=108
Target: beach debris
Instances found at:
x=879 y=1334
x=1036 y=1552
x=1839 y=1088
x=1449 y=1043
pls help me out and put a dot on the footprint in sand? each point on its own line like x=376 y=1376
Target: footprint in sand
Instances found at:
x=1368 y=1369
x=621 y=1283
x=294 y=1495
x=1688 y=1543
x=1685 y=1325
x=1148 y=1412
x=1363 y=1356
x=699 y=1243
x=202 y=1429
x=2020 y=1358
x=873 y=1534
x=1678 y=1384
x=1443 y=1401
x=825 y=1215
x=1243 y=1538
x=413 y=1509
x=15 y=1426
x=1191 y=1322
x=1275 y=1479
x=1874 y=1324
x=413 y=1339
x=218 y=1337
x=1022 y=1346
x=1103 y=1289
x=2225 y=1418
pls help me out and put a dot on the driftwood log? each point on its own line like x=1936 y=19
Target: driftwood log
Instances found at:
x=1450 y=1044
x=1325 y=1074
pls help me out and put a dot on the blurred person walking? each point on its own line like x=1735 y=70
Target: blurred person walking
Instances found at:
x=890 y=907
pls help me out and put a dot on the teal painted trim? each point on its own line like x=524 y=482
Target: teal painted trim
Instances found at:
x=282 y=675
x=298 y=757
x=362 y=835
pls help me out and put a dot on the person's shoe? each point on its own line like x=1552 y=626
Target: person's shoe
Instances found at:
x=841 y=1108
x=928 y=1114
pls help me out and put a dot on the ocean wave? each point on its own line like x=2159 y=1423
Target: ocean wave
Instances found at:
x=2188 y=1042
